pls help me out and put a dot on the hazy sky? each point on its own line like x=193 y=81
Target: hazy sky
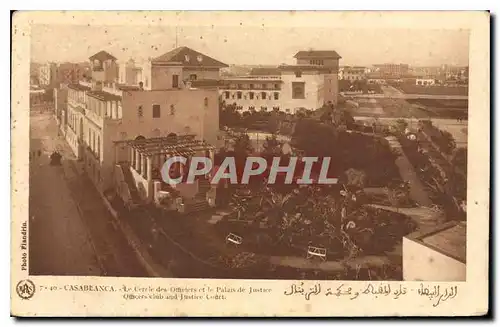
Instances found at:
x=251 y=44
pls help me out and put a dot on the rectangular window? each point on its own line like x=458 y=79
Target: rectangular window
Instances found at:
x=227 y=94
x=251 y=94
x=238 y=95
x=298 y=74
x=298 y=90
x=276 y=86
x=251 y=86
x=263 y=95
x=264 y=86
x=276 y=96
x=193 y=77
x=156 y=111
x=240 y=86
x=175 y=81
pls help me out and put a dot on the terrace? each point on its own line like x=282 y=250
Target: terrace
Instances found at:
x=146 y=157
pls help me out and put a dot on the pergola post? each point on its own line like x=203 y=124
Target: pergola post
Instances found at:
x=148 y=168
x=137 y=157
x=143 y=165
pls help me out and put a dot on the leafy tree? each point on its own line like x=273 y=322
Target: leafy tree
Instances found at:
x=398 y=193
x=273 y=123
x=242 y=145
x=447 y=142
x=355 y=178
x=271 y=146
x=314 y=138
x=401 y=125
x=459 y=159
x=343 y=118
x=229 y=115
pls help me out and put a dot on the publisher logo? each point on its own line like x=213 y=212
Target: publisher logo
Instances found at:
x=25 y=289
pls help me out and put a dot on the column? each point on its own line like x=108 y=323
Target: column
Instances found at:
x=137 y=164
x=143 y=166
x=148 y=168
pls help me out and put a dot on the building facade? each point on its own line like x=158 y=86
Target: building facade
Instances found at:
x=249 y=93
x=425 y=81
x=437 y=254
x=309 y=84
x=355 y=73
x=392 y=70
x=52 y=75
x=103 y=115
x=47 y=75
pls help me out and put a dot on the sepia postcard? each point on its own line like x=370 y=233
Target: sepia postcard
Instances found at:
x=250 y=164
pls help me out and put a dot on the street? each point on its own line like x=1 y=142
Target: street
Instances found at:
x=71 y=232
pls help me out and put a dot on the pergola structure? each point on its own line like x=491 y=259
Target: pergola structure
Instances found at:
x=150 y=154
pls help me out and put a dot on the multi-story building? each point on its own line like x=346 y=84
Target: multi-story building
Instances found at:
x=310 y=83
x=253 y=92
x=52 y=75
x=69 y=72
x=47 y=74
x=392 y=70
x=354 y=73
x=107 y=122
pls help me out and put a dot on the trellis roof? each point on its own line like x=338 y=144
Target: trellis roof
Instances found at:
x=184 y=145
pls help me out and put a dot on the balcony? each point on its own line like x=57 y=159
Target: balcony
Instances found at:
x=94 y=118
x=77 y=105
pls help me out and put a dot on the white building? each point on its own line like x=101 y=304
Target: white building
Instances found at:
x=104 y=117
x=425 y=81
x=253 y=92
x=436 y=255
x=309 y=84
x=353 y=73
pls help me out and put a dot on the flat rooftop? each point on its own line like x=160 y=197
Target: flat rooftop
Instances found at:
x=449 y=239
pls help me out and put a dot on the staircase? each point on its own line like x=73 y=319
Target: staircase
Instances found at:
x=129 y=179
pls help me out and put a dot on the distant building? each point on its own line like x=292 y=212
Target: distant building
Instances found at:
x=436 y=255
x=69 y=72
x=310 y=83
x=392 y=70
x=355 y=73
x=253 y=92
x=47 y=74
x=52 y=74
x=425 y=81
x=61 y=105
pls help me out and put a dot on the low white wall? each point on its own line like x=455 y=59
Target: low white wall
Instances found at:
x=421 y=263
